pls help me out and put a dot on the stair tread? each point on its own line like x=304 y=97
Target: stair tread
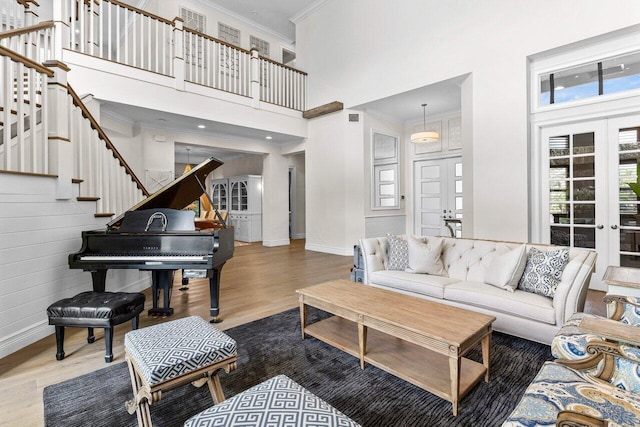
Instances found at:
x=87 y=199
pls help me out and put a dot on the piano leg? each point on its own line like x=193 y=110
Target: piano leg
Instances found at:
x=99 y=277
x=214 y=294
x=161 y=280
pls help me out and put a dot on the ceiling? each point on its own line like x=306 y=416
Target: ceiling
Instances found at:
x=272 y=15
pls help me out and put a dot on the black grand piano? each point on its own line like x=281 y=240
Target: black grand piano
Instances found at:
x=157 y=235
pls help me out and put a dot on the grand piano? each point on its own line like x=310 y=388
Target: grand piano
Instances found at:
x=159 y=236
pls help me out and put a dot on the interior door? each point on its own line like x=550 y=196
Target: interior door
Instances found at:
x=437 y=195
x=574 y=212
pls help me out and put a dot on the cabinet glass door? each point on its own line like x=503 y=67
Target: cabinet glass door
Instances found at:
x=219 y=196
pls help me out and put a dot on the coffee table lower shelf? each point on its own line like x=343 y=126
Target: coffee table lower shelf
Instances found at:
x=422 y=367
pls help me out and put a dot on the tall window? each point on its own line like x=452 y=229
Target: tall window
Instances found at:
x=261 y=45
x=384 y=165
x=228 y=34
x=194 y=46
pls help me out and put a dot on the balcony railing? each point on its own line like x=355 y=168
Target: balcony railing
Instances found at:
x=117 y=32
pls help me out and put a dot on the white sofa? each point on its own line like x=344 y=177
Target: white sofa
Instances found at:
x=524 y=314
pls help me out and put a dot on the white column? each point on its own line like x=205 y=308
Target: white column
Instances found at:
x=61 y=28
x=255 y=78
x=178 y=55
x=60 y=147
x=275 y=199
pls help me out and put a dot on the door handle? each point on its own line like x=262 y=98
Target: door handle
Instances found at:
x=614 y=227
x=599 y=226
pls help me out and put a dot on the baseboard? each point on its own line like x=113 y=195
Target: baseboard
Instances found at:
x=281 y=242
x=24 y=337
x=39 y=330
x=300 y=236
x=329 y=249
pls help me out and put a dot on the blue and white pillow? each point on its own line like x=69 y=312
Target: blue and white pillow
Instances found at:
x=543 y=271
x=398 y=253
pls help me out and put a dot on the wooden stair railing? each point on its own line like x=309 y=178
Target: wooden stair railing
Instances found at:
x=24 y=146
x=101 y=178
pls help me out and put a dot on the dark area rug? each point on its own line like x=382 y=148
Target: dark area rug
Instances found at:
x=273 y=346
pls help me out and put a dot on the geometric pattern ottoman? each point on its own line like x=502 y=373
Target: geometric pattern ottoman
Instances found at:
x=278 y=401
x=171 y=354
x=559 y=388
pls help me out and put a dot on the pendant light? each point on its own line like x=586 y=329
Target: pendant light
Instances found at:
x=424 y=136
x=187 y=168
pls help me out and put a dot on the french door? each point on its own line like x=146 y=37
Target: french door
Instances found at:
x=438 y=196
x=587 y=199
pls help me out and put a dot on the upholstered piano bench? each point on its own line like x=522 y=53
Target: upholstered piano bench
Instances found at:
x=95 y=310
x=278 y=401
x=174 y=353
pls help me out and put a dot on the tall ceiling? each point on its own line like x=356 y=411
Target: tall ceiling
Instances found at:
x=276 y=16
x=273 y=15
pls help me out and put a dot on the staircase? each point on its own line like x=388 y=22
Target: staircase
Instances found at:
x=41 y=115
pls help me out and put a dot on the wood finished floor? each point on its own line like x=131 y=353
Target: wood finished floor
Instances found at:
x=257 y=282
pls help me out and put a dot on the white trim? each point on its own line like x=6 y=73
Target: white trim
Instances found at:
x=24 y=337
x=41 y=329
x=279 y=242
x=300 y=236
x=329 y=249
x=307 y=11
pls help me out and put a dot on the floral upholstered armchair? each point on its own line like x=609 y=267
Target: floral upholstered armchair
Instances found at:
x=600 y=389
x=570 y=341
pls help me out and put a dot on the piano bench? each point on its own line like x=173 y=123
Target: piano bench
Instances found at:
x=168 y=355
x=95 y=310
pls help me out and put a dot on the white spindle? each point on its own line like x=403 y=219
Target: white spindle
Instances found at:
x=6 y=112
x=20 y=136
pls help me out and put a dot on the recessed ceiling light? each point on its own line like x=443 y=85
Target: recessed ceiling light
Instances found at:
x=268 y=137
x=201 y=126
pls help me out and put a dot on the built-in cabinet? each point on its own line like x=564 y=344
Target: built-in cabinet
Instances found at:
x=219 y=189
x=245 y=207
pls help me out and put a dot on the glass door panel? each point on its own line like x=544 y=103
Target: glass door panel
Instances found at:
x=572 y=190
x=576 y=187
x=627 y=219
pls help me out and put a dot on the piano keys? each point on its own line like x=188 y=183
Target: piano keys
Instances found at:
x=157 y=236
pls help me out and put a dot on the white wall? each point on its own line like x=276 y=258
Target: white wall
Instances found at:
x=37 y=234
x=377 y=48
x=334 y=184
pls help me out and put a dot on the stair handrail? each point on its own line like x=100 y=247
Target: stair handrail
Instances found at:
x=96 y=126
x=25 y=61
x=25 y=30
x=142 y=12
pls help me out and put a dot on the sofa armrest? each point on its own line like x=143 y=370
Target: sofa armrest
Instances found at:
x=620 y=305
x=374 y=254
x=571 y=299
x=572 y=419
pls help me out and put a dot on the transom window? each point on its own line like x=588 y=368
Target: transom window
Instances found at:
x=612 y=75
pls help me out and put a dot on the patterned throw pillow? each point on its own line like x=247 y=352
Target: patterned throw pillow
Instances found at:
x=543 y=271
x=398 y=253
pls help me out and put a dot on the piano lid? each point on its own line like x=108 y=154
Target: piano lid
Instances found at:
x=178 y=193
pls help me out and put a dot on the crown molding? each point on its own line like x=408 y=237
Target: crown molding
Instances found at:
x=307 y=11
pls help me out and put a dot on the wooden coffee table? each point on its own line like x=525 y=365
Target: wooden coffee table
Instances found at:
x=434 y=337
